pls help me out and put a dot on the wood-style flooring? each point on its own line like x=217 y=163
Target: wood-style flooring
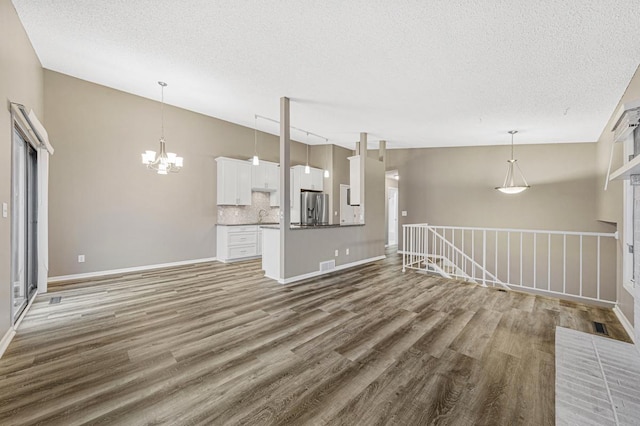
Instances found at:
x=220 y=344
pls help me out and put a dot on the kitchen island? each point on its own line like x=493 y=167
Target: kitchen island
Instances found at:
x=271 y=250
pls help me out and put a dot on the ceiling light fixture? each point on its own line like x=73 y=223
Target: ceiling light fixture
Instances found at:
x=509 y=186
x=326 y=171
x=307 y=169
x=166 y=161
x=255 y=161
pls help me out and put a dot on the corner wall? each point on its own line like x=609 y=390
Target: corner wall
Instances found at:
x=105 y=204
x=20 y=81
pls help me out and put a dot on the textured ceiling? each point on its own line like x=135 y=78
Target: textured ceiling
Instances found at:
x=413 y=72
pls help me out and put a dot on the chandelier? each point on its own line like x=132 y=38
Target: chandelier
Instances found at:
x=509 y=186
x=165 y=162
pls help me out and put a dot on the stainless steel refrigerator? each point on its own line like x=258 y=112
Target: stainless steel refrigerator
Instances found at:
x=314 y=208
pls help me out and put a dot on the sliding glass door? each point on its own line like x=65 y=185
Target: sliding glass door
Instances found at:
x=24 y=224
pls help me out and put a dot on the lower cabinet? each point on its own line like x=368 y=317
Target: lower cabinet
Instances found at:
x=238 y=242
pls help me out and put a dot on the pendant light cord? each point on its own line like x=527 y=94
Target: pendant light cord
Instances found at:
x=255 y=136
x=162 y=110
x=307 y=148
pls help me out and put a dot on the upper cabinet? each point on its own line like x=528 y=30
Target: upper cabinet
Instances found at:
x=234 y=182
x=265 y=177
x=313 y=181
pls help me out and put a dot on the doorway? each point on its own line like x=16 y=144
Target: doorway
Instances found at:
x=24 y=224
x=392 y=215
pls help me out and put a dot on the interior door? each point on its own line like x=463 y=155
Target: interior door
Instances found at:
x=24 y=224
x=393 y=216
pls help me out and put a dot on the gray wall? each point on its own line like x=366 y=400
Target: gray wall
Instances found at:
x=106 y=205
x=306 y=248
x=20 y=81
x=610 y=203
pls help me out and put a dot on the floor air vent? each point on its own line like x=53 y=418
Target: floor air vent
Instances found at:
x=327 y=266
x=55 y=300
x=600 y=328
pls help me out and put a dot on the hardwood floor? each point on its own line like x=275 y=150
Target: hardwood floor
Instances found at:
x=219 y=344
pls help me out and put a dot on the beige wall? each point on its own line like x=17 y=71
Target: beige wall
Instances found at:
x=20 y=81
x=610 y=203
x=455 y=186
x=106 y=205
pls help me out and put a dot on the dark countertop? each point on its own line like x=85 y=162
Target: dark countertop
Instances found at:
x=247 y=224
x=305 y=227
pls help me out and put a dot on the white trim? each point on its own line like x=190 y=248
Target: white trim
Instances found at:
x=127 y=270
x=11 y=332
x=6 y=339
x=625 y=322
x=628 y=285
x=337 y=268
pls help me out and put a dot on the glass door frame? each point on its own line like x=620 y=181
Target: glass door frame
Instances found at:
x=30 y=217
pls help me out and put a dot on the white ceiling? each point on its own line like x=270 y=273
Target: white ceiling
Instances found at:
x=414 y=72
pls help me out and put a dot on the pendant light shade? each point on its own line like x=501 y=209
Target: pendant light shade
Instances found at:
x=511 y=184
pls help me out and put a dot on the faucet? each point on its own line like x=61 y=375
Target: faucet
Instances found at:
x=261 y=214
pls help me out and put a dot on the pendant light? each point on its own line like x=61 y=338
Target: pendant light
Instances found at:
x=255 y=161
x=509 y=186
x=307 y=169
x=166 y=162
x=326 y=171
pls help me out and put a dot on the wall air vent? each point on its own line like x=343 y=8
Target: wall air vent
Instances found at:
x=327 y=266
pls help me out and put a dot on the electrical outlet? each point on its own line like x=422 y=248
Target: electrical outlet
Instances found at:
x=404 y=212
x=4 y=209
x=336 y=253
x=81 y=258
x=335 y=213
x=347 y=252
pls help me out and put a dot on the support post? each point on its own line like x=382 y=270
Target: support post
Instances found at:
x=285 y=179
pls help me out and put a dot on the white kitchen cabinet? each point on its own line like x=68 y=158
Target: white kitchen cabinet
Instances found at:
x=354 y=180
x=317 y=179
x=233 y=182
x=238 y=242
x=265 y=177
x=313 y=181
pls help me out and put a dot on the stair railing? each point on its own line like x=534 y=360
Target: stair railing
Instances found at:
x=572 y=264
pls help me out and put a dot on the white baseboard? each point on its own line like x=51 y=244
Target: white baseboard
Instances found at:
x=6 y=339
x=337 y=268
x=128 y=270
x=625 y=322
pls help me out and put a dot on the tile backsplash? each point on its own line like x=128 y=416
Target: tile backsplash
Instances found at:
x=235 y=215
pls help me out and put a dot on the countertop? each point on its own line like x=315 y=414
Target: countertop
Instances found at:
x=305 y=227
